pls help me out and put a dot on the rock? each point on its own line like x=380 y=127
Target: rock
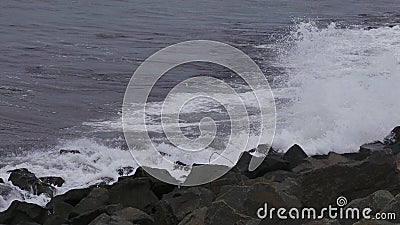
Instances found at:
x=318 y=162
x=376 y=201
x=164 y=214
x=295 y=156
x=23 y=213
x=62 y=210
x=131 y=192
x=86 y=217
x=200 y=174
x=135 y=216
x=271 y=162
x=27 y=181
x=55 y=181
x=230 y=217
x=69 y=151
x=1 y=181
x=105 y=219
x=362 y=154
x=279 y=175
x=72 y=197
x=323 y=222
x=185 y=201
x=125 y=171
x=393 y=137
x=247 y=199
x=374 y=146
x=197 y=217
x=393 y=207
x=98 y=197
x=158 y=187
x=233 y=177
x=353 y=180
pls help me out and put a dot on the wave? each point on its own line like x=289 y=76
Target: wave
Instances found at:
x=342 y=86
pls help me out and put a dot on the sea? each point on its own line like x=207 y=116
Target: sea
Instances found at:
x=333 y=68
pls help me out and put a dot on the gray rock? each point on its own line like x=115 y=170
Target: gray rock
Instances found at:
x=185 y=201
x=200 y=174
x=197 y=217
x=131 y=192
x=135 y=216
x=393 y=207
x=279 y=175
x=104 y=219
x=164 y=214
x=295 y=156
x=98 y=197
x=271 y=162
x=376 y=201
x=27 y=181
x=230 y=216
x=159 y=188
x=1 y=181
x=353 y=180
x=247 y=199
x=23 y=213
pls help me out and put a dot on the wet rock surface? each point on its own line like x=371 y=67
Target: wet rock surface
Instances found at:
x=368 y=178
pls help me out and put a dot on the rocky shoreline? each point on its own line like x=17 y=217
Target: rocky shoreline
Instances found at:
x=367 y=178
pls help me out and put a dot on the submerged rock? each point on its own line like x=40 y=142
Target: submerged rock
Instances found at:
x=55 y=181
x=69 y=151
x=125 y=171
x=27 y=181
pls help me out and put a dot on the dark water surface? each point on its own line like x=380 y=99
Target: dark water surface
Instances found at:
x=66 y=62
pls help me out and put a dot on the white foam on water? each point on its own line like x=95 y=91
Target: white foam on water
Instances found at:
x=95 y=163
x=342 y=85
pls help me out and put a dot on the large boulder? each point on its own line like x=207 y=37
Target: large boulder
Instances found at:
x=393 y=140
x=158 y=187
x=98 y=197
x=230 y=215
x=133 y=192
x=375 y=201
x=135 y=216
x=247 y=199
x=393 y=207
x=164 y=214
x=197 y=217
x=353 y=180
x=295 y=155
x=23 y=213
x=271 y=162
x=27 y=181
x=185 y=201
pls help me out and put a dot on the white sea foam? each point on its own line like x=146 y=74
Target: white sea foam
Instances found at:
x=343 y=87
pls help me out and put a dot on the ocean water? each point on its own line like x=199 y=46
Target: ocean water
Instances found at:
x=333 y=69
